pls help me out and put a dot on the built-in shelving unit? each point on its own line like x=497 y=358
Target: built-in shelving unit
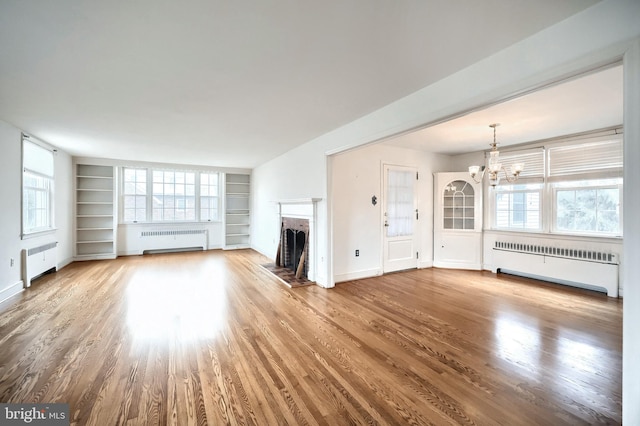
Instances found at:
x=457 y=226
x=95 y=236
x=237 y=210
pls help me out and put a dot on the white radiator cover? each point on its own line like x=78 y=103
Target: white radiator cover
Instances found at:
x=177 y=239
x=38 y=260
x=580 y=268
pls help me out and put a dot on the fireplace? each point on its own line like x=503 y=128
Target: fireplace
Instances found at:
x=293 y=248
x=296 y=261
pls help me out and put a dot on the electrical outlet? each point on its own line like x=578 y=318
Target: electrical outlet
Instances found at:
x=357 y=253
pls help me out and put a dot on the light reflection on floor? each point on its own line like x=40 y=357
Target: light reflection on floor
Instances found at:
x=519 y=341
x=185 y=305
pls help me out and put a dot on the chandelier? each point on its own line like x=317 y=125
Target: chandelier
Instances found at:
x=495 y=166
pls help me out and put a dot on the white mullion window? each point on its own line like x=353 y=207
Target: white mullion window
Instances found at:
x=173 y=196
x=518 y=207
x=134 y=194
x=209 y=196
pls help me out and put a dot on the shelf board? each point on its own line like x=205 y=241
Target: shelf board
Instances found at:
x=93 y=241
x=94 y=215
x=237 y=235
x=95 y=229
x=94 y=177
x=104 y=203
x=238 y=224
x=94 y=190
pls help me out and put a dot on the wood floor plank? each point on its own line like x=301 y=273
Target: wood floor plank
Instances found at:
x=210 y=338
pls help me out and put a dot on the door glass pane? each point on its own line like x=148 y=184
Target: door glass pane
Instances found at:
x=400 y=209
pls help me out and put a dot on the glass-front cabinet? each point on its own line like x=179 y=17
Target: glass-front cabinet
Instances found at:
x=457 y=221
x=458 y=205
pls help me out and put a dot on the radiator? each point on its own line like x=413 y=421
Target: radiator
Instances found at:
x=173 y=240
x=38 y=260
x=595 y=270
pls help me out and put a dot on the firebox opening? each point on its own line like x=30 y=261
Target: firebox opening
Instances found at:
x=293 y=247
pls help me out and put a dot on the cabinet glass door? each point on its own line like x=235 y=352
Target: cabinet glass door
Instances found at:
x=458 y=205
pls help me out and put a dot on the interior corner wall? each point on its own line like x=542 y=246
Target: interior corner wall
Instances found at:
x=357 y=176
x=11 y=244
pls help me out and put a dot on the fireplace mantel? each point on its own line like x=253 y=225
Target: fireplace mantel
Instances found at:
x=300 y=201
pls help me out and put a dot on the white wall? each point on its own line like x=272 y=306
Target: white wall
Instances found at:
x=599 y=35
x=11 y=244
x=357 y=223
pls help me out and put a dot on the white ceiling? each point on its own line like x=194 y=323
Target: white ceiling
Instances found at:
x=590 y=102
x=230 y=83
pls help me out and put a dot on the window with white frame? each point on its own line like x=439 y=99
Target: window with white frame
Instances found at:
x=173 y=196
x=588 y=206
x=154 y=195
x=37 y=187
x=569 y=188
x=209 y=196
x=518 y=206
x=134 y=194
x=586 y=187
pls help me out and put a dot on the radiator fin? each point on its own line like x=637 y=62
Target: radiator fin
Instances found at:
x=569 y=253
x=164 y=233
x=40 y=249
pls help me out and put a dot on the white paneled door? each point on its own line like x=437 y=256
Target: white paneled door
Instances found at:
x=400 y=218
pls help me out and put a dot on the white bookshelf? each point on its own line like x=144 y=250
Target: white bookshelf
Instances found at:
x=95 y=232
x=237 y=210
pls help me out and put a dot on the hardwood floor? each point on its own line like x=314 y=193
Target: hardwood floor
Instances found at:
x=212 y=338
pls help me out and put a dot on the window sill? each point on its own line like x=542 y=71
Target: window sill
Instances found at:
x=37 y=234
x=557 y=235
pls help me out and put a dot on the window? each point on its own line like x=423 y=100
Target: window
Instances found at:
x=518 y=207
x=135 y=195
x=150 y=195
x=174 y=197
x=571 y=188
x=209 y=196
x=588 y=207
x=37 y=187
x=586 y=187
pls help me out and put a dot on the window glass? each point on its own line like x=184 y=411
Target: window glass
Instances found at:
x=588 y=207
x=209 y=196
x=135 y=195
x=173 y=197
x=37 y=188
x=518 y=207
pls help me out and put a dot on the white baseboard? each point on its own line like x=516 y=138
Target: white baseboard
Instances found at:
x=11 y=291
x=458 y=265
x=425 y=264
x=357 y=275
x=65 y=262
